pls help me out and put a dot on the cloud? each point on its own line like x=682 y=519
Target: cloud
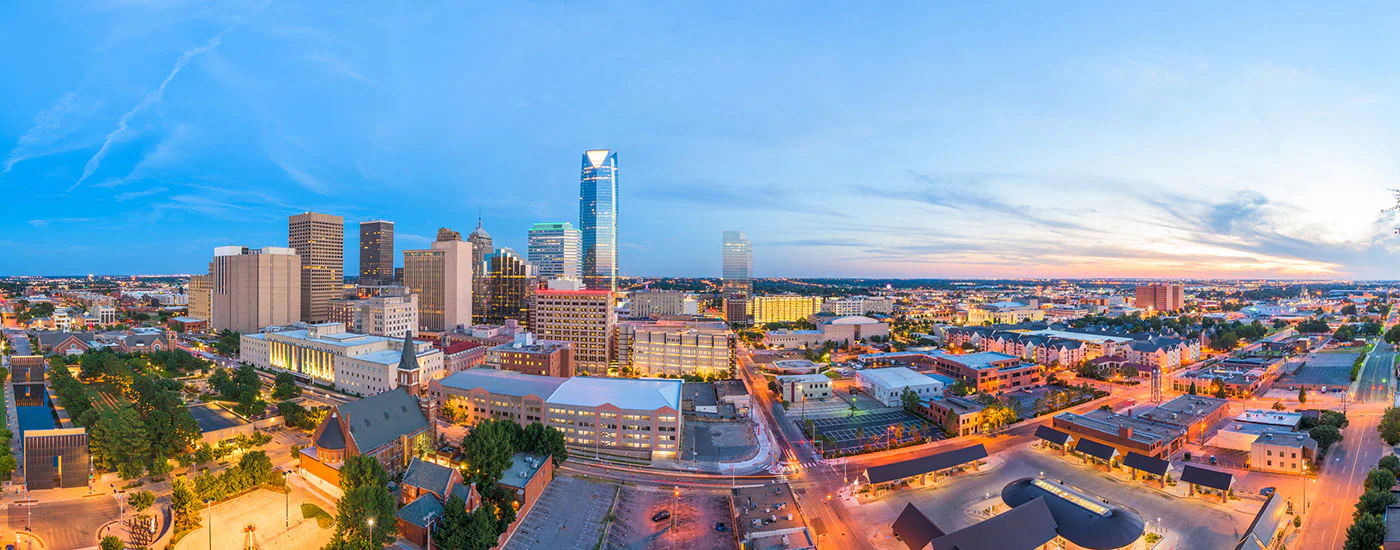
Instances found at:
x=341 y=66
x=308 y=181
x=43 y=223
x=122 y=197
x=49 y=127
x=123 y=131
x=409 y=237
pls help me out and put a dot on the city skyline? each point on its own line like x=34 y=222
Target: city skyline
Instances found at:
x=1073 y=141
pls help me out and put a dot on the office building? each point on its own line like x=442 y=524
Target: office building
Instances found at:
x=528 y=355
x=584 y=317
x=605 y=416
x=796 y=388
x=481 y=248
x=784 y=308
x=597 y=219
x=887 y=385
x=958 y=415
x=357 y=363
x=555 y=248
x=392 y=312
x=376 y=252
x=254 y=288
x=737 y=259
x=676 y=348
x=858 y=305
x=320 y=241
x=442 y=278
x=654 y=304
x=988 y=372
x=510 y=282
x=200 y=305
x=1004 y=313
x=1163 y=298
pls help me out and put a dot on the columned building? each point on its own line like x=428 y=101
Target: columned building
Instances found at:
x=597 y=219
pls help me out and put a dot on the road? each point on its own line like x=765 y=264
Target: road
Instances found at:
x=1374 y=382
x=1339 y=483
x=64 y=524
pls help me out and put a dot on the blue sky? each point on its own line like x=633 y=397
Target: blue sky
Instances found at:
x=916 y=140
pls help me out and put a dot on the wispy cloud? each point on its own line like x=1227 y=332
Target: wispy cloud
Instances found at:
x=43 y=223
x=123 y=197
x=340 y=66
x=49 y=126
x=123 y=130
x=302 y=177
x=409 y=237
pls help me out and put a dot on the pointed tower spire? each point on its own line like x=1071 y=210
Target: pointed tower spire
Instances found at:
x=409 y=359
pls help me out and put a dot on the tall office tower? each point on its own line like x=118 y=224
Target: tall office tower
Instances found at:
x=736 y=257
x=481 y=291
x=510 y=282
x=597 y=218
x=584 y=317
x=1162 y=298
x=254 y=288
x=199 y=292
x=320 y=241
x=554 y=250
x=441 y=276
x=376 y=253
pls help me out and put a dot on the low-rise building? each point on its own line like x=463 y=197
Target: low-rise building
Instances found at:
x=958 y=415
x=888 y=385
x=358 y=363
x=804 y=387
x=1197 y=414
x=1123 y=433
x=676 y=348
x=988 y=371
x=461 y=356
x=766 y=516
x=391 y=427
x=784 y=308
x=423 y=496
x=392 y=312
x=526 y=355
x=999 y=313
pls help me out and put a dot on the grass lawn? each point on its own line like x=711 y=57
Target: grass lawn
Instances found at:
x=312 y=511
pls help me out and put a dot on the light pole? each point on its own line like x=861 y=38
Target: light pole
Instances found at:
x=370 y=521
x=286 y=502
x=208 y=508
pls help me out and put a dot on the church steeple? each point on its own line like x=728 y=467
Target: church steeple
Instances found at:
x=409 y=359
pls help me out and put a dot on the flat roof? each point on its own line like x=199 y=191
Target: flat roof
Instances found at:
x=1185 y=409
x=1107 y=422
x=623 y=393
x=981 y=360
x=1392 y=524
x=503 y=382
x=1272 y=418
x=802 y=378
x=894 y=377
x=924 y=464
x=1082 y=337
x=523 y=468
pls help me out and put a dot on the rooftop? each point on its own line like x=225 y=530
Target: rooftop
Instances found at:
x=379 y=419
x=523 y=468
x=581 y=391
x=504 y=382
x=1272 y=418
x=982 y=360
x=1185 y=410
x=1107 y=422
x=894 y=377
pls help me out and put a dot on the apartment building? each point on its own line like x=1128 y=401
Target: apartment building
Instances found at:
x=638 y=418
x=1163 y=298
x=784 y=308
x=583 y=317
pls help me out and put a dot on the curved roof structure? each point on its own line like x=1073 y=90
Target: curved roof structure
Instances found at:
x=1082 y=518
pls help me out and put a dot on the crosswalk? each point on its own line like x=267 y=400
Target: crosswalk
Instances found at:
x=792 y=468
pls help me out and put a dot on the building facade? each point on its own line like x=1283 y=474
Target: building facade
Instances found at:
x=676 y=348
x=510 y=284
x=1003 y=313
x=784 y=308
x=737 y=265
x=254 y=288
x=554 y=250
x=584 y=317
x=357 y=363
x=527 y=355
x=319 y=240
x=1164 y=298
x=652 y=304
x=390 y=313
x=390 y=426
x=200 y=305
x=376 y=252
x=441 y=277
x=597 y=219
x=481 y=247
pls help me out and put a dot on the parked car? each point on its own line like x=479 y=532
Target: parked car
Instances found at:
x=1212 y=460
x=1267 y=491
x=661 y=516
x=719 y=527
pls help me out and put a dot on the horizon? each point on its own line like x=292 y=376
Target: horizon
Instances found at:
x=958 y=143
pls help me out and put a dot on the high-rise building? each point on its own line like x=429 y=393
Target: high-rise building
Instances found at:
x=1162 y=298
x=441 y=276
x=254 y=288
x=597 y=218
x=199 y=292
x=554 y=250
x=481 y=291
x=738 y=264
x=510 y=280
x=392 y=312
x=376 y=252
x=319 y=239
x=584 y=317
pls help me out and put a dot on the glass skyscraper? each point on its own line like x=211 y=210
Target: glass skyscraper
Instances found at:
x=597 y=218
x=738 y=263
x=554 y=250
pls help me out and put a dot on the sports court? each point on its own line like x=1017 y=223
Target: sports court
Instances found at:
x=870 y=428
x=213 y=417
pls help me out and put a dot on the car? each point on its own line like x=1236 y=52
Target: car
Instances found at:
x=661 y=516
x=1292 y=388
x=1267 y=491
x=1324 y=389
x=719 y=527
x=1212 y=460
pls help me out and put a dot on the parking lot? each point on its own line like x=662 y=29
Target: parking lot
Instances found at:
x=568 y=516
x=1322 y=369
x=870 y=428
x=727 y=441
x=694 y=514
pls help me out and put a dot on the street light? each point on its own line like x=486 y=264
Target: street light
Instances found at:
x=286 y=502
x=210 y=510
x=370 y=521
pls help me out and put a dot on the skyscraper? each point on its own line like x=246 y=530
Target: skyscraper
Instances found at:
x=253 y=289
x=441 y=276
x=1161 y=298
x=597 y=218
x=376 y=253
x=320 y=241
x=737 y=273
x=584 y=317
x=481 y=291
x=554 y=250
x=510 y=279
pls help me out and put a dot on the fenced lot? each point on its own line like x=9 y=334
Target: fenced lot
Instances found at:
x=873 y=430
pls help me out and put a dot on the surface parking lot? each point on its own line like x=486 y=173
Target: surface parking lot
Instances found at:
x=568 y=516
x=1322 y=369
x=870 y=428
x=691 y=526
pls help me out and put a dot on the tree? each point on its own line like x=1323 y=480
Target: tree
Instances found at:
x=184 y=505
x=1278 y=406
x=910 y=400
x=285 y=387
x=1302 y=394
x=1373 y=502
x=1325 y=437
x=487 y=450
x=362 y=471
x=1392 y=335
x=1366 y=533
x=1379 y=479
x=141 y=500
x=110 y=542
x=1219 y=389
x=1390 y=426
x=1390 y=462
x=366 y=499
x=1192 y=390
x=119 y=442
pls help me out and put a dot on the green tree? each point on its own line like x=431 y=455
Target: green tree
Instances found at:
x=1366 y=533
x=363 y=503
x=544 y=440
x=487 y=450
x=362 y=471
x=1380 y=480
x=119 y=442
x=910 y=400
x=184 y=505
x=1373 y=502
x=110 y=542
x=285 y=387
x=1192 y=390
x=1392 y=335
x=1219 y=389
x=1325 y=437
x=1390 y=462
x=1390 y=426
x=141 y=500
x=1302 y=394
